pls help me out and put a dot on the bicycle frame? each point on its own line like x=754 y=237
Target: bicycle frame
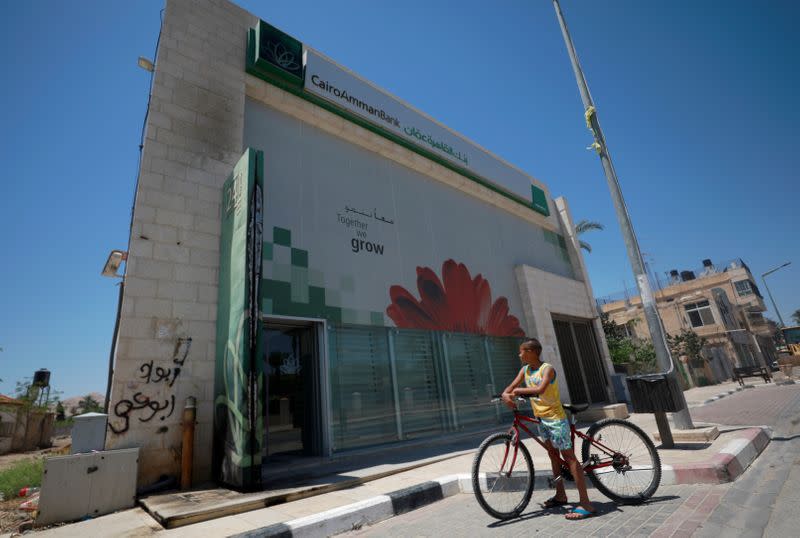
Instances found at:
x=519 y=419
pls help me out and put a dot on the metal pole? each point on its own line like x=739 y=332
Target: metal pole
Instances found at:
x=681 y=418
x=764 y=279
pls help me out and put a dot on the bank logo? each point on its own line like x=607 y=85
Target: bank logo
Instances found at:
x=279 y=52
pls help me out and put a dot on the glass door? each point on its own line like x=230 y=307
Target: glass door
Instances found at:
x=290 y=371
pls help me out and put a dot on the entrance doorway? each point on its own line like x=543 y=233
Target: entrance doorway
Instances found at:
x=580 y=357
x=292 y=393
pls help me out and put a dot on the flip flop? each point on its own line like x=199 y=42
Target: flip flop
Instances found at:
x=583 y=513
x=552 y=502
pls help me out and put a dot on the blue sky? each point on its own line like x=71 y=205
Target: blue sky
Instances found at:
x=695 y=99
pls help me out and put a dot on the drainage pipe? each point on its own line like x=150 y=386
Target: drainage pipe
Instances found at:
x=187 y=449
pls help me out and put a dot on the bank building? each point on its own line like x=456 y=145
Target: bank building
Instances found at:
x=323 y=268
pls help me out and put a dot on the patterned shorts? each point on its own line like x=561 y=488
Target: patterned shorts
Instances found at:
x=557 y=432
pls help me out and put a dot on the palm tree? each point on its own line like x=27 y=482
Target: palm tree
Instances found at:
x=796 y=316
x=586 y=226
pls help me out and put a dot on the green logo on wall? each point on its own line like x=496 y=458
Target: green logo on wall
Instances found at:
x=274 y=52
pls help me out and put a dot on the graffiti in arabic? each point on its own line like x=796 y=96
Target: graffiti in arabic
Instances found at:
x=124 y=408
x=152 y=373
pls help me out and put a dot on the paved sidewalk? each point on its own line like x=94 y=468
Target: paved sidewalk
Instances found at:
x=717 y=462
x=675 y=511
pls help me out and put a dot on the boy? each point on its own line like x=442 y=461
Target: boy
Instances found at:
x=542 y=388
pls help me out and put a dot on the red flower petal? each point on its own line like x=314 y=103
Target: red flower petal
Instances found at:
x=461 y=304
x=406 y=312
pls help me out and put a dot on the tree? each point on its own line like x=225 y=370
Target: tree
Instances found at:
x=639 y=356
x=586 y=226
x=644 y=355
x=687 y=343
x=60 y=412
x=89 y=405
x=796 y=316
x=619 y=346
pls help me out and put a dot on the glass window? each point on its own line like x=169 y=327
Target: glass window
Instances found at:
x=361 y=387
x=743 y=288
x=699 y=314
x=470 y=380
x=423 y=408
x=440 y=381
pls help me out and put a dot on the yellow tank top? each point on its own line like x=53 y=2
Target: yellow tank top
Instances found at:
x=547 y=404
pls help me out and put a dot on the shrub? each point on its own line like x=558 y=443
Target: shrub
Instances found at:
x=22 y=474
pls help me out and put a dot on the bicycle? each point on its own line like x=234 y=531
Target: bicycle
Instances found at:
x=618 y=457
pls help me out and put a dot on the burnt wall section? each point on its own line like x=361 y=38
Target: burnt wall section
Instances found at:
x=193 y=138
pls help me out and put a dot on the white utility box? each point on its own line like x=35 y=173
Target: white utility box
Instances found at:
x=93 y=484
x=88 y=432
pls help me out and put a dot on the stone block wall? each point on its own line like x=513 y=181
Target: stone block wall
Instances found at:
x=193 y=138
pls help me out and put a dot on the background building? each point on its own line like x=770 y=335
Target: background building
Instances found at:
x=324 y=267
x=719 y=302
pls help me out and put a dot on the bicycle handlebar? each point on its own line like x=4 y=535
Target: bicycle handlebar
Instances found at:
x=499 y=398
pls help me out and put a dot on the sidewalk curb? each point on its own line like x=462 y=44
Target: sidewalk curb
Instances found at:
x=718 y=396
x=726 y=466
x=730 y=463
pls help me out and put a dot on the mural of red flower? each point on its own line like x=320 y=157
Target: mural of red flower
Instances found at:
x=457 y=303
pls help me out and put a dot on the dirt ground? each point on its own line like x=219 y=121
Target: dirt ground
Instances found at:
x=10 y=517
x=59 y=443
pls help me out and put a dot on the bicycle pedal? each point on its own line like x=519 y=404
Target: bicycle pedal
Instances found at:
x=553 y=482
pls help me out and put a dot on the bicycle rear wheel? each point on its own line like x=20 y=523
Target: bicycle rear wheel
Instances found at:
x=633 y=468
x=503 y=483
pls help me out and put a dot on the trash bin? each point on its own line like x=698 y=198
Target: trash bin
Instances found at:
x=654 y=392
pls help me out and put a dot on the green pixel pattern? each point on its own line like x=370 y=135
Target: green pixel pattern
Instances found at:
x=293 y=287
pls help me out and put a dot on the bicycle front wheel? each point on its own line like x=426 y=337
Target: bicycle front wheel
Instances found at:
x=630 y=469
x=502 y=476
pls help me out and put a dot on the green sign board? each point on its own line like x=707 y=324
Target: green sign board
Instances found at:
x=273 y=52
x=539 y=201
x=239 y=376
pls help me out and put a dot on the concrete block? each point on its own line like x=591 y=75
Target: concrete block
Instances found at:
x=149 y=268
x=207 y=225
x=159 y=232
x=140 y=248
x=173 y=218
x=190 y=273
x=171 y=253
x=151 y=181
x=697 y=435
x=156 y=118
x=147 y=349
x=197 y=328
x=179 y=112
x=147 y=307
x=177 y=291
x=186 y=158
x=190 y=238
x=140 y=287
x=594 y=414
x=203 y=208
x=136 y=327
x=169 y=138
x=167 y=167
x=162 y=200
x=206 y=258
x=208 y=294
x=190 y=310
x=210 y=194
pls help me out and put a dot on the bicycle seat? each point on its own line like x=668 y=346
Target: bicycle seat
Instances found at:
x=575 y=408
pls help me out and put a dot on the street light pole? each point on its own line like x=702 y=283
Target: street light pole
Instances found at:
x=764 y=279
x=681 y=418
